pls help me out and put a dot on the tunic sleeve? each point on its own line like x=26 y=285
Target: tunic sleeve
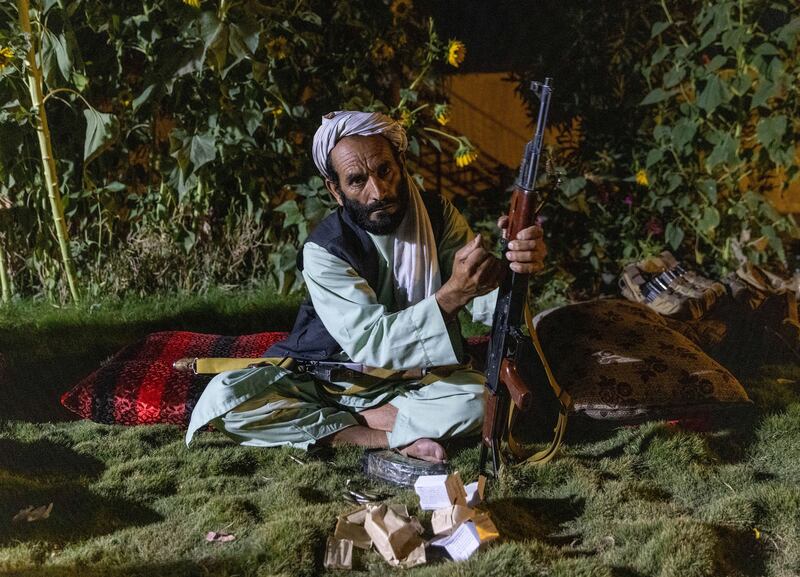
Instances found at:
x=456 y=234
x=366 y=330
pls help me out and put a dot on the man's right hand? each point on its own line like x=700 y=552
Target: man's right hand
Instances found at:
x=475 y=273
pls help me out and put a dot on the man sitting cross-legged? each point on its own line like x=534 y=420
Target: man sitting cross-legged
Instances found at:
x=387 y=274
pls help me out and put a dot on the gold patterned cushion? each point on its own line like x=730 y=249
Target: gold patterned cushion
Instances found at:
x=620 y=361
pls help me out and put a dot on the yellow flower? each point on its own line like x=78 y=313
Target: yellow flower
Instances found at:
x=381 y=52
x=400 y=8
x=441 y=113
x=465 y=155
x=276 y=48
x=6 y=54
x=192 y=3
x=277 y=111
x=406 y=118
x=456 y=52
x=641 y=178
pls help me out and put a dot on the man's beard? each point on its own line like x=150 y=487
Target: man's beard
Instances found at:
x=386 y=223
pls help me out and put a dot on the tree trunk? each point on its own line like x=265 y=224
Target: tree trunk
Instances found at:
x=35 y=85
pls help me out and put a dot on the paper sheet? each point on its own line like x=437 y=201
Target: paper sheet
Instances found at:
x=462 y=543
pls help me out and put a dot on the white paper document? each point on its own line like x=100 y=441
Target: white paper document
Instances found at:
x=440 y=491
x=462 y=543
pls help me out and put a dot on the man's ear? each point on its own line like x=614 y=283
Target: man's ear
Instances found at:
x=334 y=190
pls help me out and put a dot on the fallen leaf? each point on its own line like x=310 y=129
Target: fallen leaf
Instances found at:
x=214 y=537
x=32 y=513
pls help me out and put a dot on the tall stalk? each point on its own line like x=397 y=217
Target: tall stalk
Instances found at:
x=48 y=162
x=5 y=283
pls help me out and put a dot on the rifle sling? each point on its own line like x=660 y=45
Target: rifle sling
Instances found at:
x=564 y=401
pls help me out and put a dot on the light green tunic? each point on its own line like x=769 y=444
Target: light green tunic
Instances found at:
x=269 y=406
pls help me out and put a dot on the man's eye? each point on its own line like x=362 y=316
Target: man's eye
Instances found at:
x=384 y=171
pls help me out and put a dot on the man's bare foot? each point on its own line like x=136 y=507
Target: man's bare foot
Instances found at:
x=425 y=449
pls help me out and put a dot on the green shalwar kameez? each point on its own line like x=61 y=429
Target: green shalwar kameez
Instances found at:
x=270 y=406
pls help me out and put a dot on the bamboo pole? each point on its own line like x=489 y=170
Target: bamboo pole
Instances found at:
x=48 y=162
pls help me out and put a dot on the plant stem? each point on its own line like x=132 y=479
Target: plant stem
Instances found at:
x=46 y=149
x=4 y=280
x=442 y=133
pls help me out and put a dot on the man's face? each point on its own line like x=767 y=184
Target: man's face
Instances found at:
x=371 y=185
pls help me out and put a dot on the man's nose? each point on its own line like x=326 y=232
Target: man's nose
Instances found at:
x=379 y=189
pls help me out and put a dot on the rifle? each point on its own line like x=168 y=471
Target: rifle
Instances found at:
x=510 y=351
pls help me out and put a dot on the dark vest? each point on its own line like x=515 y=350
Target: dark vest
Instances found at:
x=340 y=236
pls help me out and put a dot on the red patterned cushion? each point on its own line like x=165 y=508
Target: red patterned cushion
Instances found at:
x=138 y=385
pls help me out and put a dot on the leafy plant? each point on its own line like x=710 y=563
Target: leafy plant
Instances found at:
x=721 y=134
x=672 y=123
x=179 y=128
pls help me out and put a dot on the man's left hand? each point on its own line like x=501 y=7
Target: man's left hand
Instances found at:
x=526 y=253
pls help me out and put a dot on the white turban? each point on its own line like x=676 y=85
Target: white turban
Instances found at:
x=337 y=125
x=414 y=260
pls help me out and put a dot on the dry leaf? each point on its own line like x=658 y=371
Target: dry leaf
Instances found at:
x=214 y=537
x=31 y=513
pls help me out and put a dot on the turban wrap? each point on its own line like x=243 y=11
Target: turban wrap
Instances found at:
x=415 y=263
x=337 y=125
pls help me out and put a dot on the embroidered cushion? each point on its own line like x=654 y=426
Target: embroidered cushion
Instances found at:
x=620 y=361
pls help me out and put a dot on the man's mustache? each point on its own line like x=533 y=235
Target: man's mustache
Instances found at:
x=381 y=205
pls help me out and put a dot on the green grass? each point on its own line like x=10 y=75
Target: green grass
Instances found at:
x=653 y=500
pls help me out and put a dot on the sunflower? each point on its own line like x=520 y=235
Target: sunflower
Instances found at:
x=192 y=3
x=276 y=48
x=641 y=178
x=6 y=54
x=382 y=52
x=465 y=155
x=441 y=113
x=400 y=8
x=456 y=52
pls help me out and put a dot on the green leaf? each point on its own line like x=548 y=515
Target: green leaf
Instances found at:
x=659 y=54
x=674 y=76
x=683 y=132
x=788 y=34
x=766 y=49
x=710 y=219
x=708 y=187
x=769 y=132
x=292 y=214
x=143 y=97
x=658 y=28
x=203 y=149
x=215 y=41
x=713 y=94
x=657 y=95
x=724 y=152
x=674 y=235
x=49 y=59
x=101 y=131
x=733 y=38
x=655 y=155
x=771 y=129
x=765 y=91
x=717 y=62
x=408 y=95
x=572 y=186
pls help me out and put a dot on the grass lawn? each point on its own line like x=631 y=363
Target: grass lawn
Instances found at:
x=653 y=500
